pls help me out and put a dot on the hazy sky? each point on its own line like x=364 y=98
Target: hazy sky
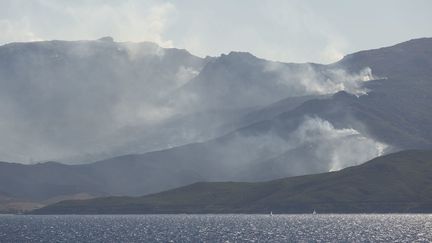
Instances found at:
x=291 y=31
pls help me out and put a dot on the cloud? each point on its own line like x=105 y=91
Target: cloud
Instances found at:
x=18 y=31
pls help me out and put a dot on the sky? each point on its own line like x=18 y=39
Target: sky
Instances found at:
x=281 y=30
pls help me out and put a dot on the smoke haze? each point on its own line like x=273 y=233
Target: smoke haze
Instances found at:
x=87 y=100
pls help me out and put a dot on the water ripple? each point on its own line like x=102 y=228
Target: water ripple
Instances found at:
x=216 y=228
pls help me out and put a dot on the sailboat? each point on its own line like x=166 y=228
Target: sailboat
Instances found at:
x=271 y=213
x=314 y=212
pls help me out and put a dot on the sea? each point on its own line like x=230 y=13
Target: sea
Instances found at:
x=217 y=228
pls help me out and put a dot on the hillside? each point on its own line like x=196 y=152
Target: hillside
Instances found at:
x=399 y=182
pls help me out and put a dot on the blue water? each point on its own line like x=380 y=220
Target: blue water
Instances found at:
x=216 y=228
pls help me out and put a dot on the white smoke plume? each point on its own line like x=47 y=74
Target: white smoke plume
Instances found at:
x=314 y=79
x=314 y=146
x=339 y=147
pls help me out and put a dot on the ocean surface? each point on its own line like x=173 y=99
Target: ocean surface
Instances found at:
x=216 y=228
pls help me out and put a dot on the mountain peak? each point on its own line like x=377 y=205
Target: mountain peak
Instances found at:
x=236 y=58
x=49 y=163
x=239 y=54
x=106 y=39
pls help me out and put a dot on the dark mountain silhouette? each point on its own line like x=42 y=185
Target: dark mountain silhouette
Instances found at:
x=399 y=182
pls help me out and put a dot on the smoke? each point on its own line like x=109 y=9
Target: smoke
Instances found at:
x=127 y=20
x=184 y=75
x=61 y=99
x=310 y=79
x=314 y=146
x=339 y=148
x=88 y=100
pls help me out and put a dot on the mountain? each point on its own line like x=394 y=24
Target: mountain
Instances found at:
x=399 y=182
x=409 y=59
x=82 y=101
x=329 y=117
x=330 y=133
x=49 y=182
